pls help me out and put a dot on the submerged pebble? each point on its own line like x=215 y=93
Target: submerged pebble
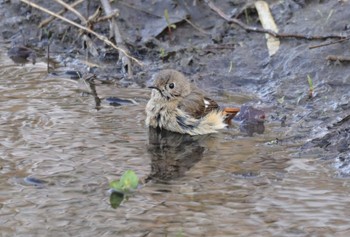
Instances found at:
x=34 y=181
x=115 y=101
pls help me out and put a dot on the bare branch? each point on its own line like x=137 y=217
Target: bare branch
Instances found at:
x=101 y=37
x=261 y=30
x=329 y=43
x=118 y=38
x=70 y=8
x=51 y=18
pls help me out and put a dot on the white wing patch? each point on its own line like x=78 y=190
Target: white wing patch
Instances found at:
x=206 y=103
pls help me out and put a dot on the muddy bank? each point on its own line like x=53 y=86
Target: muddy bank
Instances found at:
x=219 y=57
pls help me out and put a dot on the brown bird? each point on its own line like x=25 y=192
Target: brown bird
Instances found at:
x=178 y=106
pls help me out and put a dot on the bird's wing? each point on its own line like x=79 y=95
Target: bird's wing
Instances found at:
x=197 y=105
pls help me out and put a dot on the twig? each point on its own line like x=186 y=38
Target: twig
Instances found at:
x=92 y=87
x=220 y=46
x=118 y=38
x=267 y=21
x=196 y=27
x=70 y=8
x=51 y=18
x=339 y=123
x=95 y=16
x=114 y=13
x=101 y=37
x=48 y=56
x=270 y=32
x=329 y=43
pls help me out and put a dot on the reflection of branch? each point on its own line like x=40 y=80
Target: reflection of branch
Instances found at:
x=118 y=38
x=270 y=32
x=101 y=37
x=92 y=85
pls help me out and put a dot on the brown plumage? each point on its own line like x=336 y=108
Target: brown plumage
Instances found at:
x=197 y=105
x=177 y=105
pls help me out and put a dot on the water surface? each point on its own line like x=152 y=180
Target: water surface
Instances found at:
x=226 y=184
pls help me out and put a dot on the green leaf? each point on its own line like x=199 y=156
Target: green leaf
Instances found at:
x=116 y=185
x=129 y=180
x=180 y=233
x=311 y=84
x=166 y=15
x=163 y=54
x=116 y=199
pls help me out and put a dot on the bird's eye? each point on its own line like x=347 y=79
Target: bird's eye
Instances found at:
x=171 y=85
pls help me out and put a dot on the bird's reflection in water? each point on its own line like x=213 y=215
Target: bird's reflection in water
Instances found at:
x=172 y=154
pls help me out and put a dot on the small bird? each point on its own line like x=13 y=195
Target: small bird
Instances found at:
x=179 y=106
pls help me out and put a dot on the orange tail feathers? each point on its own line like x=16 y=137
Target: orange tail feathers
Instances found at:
x=230 y=113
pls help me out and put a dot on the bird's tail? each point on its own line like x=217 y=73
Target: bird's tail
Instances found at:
x=229 y=114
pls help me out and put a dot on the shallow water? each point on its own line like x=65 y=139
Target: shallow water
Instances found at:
x=227 y=184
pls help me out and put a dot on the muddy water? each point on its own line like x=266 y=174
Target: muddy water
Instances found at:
x=226 y=184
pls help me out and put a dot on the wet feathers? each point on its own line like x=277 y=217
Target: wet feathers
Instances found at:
x=178 y=106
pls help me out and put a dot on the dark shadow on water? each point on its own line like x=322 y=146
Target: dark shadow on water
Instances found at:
x=172 y=154
x=251 y=127
x=22 y=55
x=115 y=199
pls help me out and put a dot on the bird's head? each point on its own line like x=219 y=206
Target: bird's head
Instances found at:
x=171 y=85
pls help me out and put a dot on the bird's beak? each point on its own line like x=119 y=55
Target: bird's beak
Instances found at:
x=154 y=87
